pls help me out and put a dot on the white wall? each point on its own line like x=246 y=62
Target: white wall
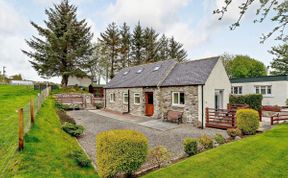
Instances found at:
x=279 y=91
x=218 y=80
x=85 y=81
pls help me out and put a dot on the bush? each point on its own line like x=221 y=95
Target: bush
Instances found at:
x=247 y=121
x=120 y=151
x=73 y=129
x=253 y=100
x=190 y=146
x=234 y=132
x=206 y=141
x=81 y=159
x=219 y=139
x=64 y=117
x=99 y=105
x=159 y=156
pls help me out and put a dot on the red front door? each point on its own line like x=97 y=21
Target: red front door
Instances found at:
x=149 y=104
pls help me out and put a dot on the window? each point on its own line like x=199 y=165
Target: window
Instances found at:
x=139 y=71
x=112 y=97
x=125 y=98
x=178 y=98
x=264 y=90
x=136 y=98
x=237 y=90
x=156 y=68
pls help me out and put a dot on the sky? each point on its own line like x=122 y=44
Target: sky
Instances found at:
x=191 y=22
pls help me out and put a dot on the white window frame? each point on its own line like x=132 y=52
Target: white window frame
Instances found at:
x=265 y=88
x=238 y=87
x=112 y=97
x=135 y=99
x=178 y=102
x=124 y=95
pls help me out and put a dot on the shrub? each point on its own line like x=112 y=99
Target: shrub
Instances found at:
x=234 y=132
x=159 y=156
x=73 y=129
x=219 y=139
x=81 y=159
x=190 y=146
x=253 y=100
x=206 y=141
x=247 y=121
x=120 y=151
x=64 y=117
x=61 y=106
x=99 y=105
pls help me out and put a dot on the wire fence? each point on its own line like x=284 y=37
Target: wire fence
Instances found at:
x=16 y=126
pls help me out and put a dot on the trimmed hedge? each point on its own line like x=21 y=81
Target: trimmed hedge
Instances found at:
x=190 y=146
x=253 y=100
x=120 y=152
x=73 y=129
x=247 y=121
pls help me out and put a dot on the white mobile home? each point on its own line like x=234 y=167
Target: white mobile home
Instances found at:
x=273 y=88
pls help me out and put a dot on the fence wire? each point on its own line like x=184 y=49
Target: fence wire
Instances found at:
x=9 y=141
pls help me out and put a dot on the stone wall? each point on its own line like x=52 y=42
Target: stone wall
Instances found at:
x=118 y=105
x=162 y=100
x=189 y=109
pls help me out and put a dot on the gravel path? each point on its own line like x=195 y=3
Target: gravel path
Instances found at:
x=171 y=139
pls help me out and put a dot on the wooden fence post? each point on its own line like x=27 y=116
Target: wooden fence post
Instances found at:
x=32 y=110
x=38 y=103
x=21 y=130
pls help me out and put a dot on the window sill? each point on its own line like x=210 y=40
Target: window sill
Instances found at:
x=137 y=104
x=178 y=105
x=267 y=96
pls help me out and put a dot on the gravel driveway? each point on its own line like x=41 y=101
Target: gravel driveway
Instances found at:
x=171 y=139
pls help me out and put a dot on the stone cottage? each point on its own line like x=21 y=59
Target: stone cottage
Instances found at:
x=153 y=89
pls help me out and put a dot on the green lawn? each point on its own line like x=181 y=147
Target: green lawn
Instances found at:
x=11 y=98
x=264 y=155
x=47 y=149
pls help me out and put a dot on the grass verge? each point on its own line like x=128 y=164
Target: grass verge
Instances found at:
x=47 y=150
x=263 y=155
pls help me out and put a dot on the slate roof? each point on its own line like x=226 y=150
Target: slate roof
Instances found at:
x=194 y=72
x=260 y=79
x=170 y=73
x=147 y=78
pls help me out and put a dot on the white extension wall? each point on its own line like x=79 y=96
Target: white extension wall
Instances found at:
x=279 y=91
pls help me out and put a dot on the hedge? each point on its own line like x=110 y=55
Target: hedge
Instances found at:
x=253 y=100
x=247 y=121
x=120 y=152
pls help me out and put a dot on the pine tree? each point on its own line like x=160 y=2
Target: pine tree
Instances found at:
x=125 y=40
x=137 y=45
x=64 y=46
x=111 y=38
x=150 y=43
x=163 y=49
x=280 y=62
x=176 y=50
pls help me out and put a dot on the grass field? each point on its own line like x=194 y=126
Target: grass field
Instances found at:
x=47 y=150
x=262 y=155
x=11 y=98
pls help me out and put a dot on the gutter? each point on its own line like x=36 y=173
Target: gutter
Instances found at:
x=104 y=98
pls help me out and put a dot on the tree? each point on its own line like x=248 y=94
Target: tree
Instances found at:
x=111 y=38
x=16 y=77
x=226 y=60
x=125 y=40
x=163 y=49
x=137 y=45
x=150 y=44
x=279 y=15
x=64 y=45
x=176 y=50
x=245 y=66
x=280 y=62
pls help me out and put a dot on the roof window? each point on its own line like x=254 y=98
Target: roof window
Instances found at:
x=156 y=68
x=139 y=71
x=125 y=73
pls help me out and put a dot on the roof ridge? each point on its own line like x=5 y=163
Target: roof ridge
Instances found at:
x=167 y=74
x=201 y=59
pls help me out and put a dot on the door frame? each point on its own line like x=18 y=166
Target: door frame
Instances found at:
x=146 y=104
x=219 y=94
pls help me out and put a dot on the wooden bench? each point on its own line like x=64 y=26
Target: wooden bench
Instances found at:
x=173 y=116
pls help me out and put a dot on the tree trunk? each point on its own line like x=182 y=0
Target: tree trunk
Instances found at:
x=64 y=81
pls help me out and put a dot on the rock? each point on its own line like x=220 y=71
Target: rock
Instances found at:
x=237 y=138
